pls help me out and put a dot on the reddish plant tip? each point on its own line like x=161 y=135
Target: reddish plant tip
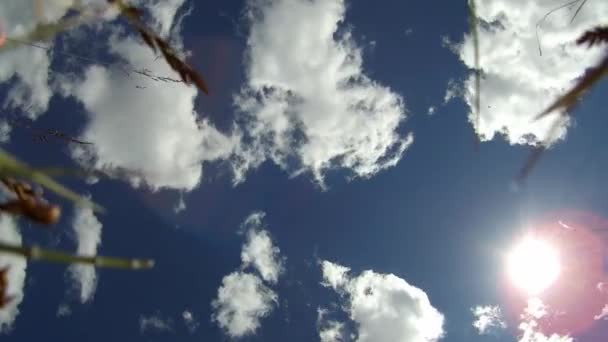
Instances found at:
x=46 y=214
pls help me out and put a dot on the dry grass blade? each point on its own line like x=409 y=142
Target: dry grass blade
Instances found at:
x=11 y=167
x=593 y=37
x=155 y=42
x=474 y=27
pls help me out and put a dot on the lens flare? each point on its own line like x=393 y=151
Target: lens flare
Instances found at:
x=533 y=265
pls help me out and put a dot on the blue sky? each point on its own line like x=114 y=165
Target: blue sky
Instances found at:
x=315 y=152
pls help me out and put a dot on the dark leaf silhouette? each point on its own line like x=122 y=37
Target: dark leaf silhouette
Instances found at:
x=594 y=37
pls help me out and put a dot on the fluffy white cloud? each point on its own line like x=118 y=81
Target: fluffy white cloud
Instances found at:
x=155 y=323
x=242 y=301
x=260 y=252
x=488 y=319
x=308 y=103
x=518 y=83
x=152 y=131
x=16 y=273
x=384 y=306
x=87 y=231
x=169 y=149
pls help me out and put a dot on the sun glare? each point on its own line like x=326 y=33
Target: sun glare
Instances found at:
x=533 y=265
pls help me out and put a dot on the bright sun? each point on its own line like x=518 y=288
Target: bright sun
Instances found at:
x=533 y=265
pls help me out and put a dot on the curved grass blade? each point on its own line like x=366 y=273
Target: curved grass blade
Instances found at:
x=578 y=10
x=36 y=253
x=10 y=166
x=538 y=23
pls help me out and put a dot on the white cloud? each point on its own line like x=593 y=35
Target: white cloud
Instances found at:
x=334 y=275
x=155 y=323
x=152 y=131
x=87 y=231
x=308 y=103
x=431 y=110
x=16 y=273
x=517 y=82
x=535 y=310
x=260 y=253
x=169 y=149
x=242 y=301
x=385 y=307
x=488 y=319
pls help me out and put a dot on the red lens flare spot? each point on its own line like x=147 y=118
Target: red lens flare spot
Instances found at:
x=576 y=299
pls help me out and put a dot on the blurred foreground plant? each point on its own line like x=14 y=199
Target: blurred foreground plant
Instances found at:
x=36 y=253
x=28 y=203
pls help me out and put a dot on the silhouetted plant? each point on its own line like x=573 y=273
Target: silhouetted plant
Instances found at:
x=156 y=43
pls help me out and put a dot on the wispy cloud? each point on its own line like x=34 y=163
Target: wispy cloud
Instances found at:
x=488 y=319
x=190 y=321
x=155 y=323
